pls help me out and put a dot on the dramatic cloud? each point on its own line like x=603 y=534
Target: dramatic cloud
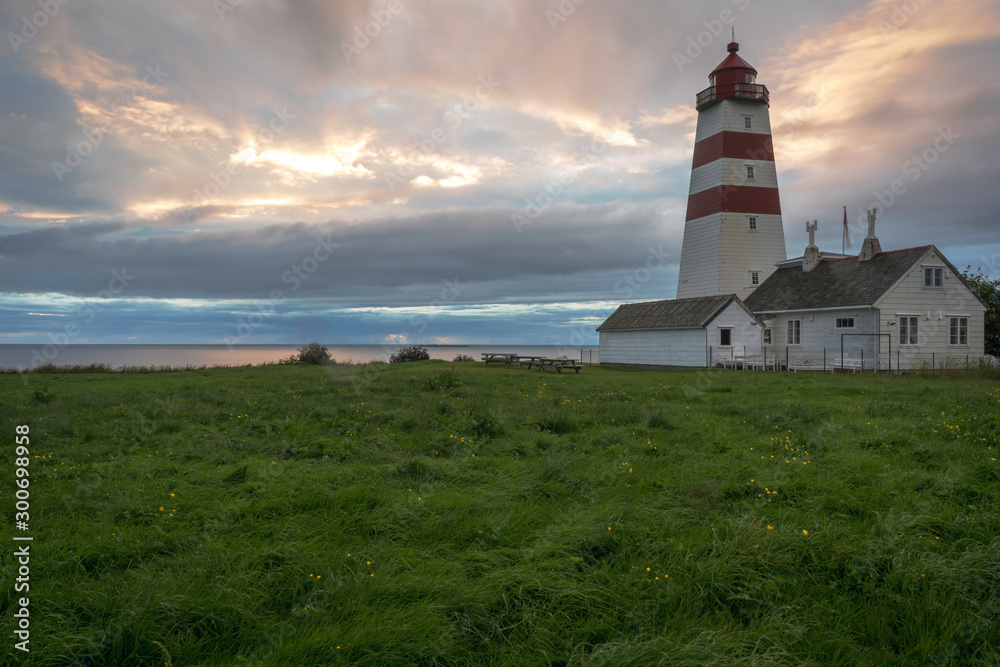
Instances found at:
x=355 y=156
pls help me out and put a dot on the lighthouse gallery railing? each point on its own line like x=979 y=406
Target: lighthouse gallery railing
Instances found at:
x=745 y=91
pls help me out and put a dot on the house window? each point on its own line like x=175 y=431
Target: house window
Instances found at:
x=933 y=277
x=725 y=337
x=794 y=332
x=752 y=222
x=767 y=337
x=959 y=331
x=750 y=172
x=909 y=330
x=755 y=278
x=748 y=120
x=845 y=322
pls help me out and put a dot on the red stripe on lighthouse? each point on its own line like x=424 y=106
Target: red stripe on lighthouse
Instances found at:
x=733 y=198
x=745 y=145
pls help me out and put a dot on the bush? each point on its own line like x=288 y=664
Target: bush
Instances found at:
x=313 y=353
x=447 y=380
x=412 y=353
x=463 y=357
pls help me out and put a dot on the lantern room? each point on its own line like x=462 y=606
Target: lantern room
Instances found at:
x=733 y=78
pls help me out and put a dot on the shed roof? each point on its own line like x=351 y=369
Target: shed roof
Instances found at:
x=834 y=282
x=669 y=314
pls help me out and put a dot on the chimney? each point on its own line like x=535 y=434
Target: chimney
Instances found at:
x=810 y=260
x=871 y=246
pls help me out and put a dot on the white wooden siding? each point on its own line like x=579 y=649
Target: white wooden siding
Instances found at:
x=742 y=251
x=819 y=332
x=699 y=271
x=935 y=306
x=745 y=334
x=663 y=347
x=732 y=171
x=728 y=115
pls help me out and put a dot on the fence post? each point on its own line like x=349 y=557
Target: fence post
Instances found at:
x=862 y=361
x=934 y=362
x=824 y=361
x=787 y=369
x=899 y=369
x=744 y=357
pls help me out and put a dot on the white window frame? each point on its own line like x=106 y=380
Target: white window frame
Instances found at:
x=748 y=119
x=958 y=335
x=751 y=171
x=752 y=223
x=934 y=277
x=754 y=278
x=793 y=332
x=767 y=336
x=840 y=323
x=722 y=331
x=909 y=330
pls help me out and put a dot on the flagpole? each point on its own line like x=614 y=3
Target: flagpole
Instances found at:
x=843 y=240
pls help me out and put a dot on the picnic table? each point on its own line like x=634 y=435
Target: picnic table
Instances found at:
x=531 y=360
x=498 y=358
x=559 y=364
x=524 y=360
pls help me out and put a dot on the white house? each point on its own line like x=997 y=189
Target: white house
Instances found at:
x=678 y=333
x=902 y=309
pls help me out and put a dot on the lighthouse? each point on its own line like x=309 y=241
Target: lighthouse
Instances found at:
x=733 y=234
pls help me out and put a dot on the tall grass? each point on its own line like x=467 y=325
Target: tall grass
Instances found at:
x=452 y=514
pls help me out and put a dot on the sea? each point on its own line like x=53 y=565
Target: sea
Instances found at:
x=26 y=356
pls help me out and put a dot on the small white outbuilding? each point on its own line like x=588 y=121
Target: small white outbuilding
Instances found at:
x=679 y=333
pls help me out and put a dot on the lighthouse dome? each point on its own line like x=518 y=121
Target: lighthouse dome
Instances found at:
x=733 y=69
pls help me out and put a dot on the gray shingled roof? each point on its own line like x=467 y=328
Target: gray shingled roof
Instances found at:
x=834 y=283
x=670 y=314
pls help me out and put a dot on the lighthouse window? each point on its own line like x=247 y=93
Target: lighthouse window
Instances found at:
x=750 y=172
x=752 y=222
x=755 y=278
x=748 y=120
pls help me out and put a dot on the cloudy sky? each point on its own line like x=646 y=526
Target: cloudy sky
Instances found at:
x=271 y=171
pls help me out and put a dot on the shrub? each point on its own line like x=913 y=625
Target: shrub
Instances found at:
x=485 y=427
x=313 y=353
x=463 y=357
x=446 y=380
x=411 y=353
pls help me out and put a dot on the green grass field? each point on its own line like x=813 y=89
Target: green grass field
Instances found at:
x=452 y=514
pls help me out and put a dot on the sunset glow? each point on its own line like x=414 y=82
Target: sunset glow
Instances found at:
x=208 y=155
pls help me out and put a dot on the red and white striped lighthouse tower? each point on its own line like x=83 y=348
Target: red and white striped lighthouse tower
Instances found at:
x=732 y=233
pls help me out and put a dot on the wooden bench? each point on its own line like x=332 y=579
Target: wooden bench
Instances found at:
x=853 y=364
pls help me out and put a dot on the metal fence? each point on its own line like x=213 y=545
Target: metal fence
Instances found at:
x=834 y=360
